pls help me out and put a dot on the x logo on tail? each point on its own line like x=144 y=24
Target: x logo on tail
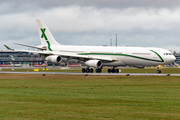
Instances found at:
x=43 y=33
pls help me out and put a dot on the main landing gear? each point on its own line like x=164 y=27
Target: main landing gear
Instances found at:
x=90 y=70
x=99 y=70
x=113 y=70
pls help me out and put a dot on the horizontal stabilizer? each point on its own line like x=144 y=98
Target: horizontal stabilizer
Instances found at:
x=8 y=47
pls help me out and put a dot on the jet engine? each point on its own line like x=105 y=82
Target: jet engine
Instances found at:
x=94 y=63
x=53 y=58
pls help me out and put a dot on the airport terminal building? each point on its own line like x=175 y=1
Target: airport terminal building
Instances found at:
x=20 y=58
x=24 y=59
x=177 y=55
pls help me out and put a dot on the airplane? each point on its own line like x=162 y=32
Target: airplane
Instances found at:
x=12 y=58
x=98 y=56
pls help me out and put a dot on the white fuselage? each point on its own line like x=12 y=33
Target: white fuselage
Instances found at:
x=135 y=56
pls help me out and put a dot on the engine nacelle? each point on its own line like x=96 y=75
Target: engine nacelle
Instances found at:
x=94 y=63
x=53 y=58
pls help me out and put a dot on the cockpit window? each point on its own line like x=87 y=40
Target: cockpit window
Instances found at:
x=167 y=53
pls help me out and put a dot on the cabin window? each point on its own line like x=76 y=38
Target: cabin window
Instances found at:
x=167 y=53
x=141 y=53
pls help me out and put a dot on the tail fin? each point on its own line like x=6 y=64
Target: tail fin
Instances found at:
x=45 y=35
x=12 y=58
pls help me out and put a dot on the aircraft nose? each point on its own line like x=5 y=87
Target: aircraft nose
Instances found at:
x=173 y=58
x=170 y=59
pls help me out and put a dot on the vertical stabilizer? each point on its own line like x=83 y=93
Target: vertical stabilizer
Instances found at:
x=12 y=58
x=45 y=35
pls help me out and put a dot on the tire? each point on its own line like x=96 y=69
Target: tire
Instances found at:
x=83 y=70
x=117 y=70
x=113 y=70
x=97 y=70
x=91 y=70
x=87 y=70
x=158 y=71
x=109 y=70
x=100 y=70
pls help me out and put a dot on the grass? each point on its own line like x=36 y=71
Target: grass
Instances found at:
x=27 y=97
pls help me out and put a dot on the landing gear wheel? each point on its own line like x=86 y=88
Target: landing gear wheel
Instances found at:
x=109 y=70
x=83 y=70
x=158 y=71
x=113 y=70
x=98 y=70
x=117 y=70
x=87 y=70
x=91 y=70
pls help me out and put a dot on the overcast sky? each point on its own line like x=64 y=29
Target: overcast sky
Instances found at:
x=151 y=23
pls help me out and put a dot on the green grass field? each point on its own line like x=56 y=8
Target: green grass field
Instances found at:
x=52 y=97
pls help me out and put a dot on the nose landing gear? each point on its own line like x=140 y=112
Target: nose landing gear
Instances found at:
x=159 y=69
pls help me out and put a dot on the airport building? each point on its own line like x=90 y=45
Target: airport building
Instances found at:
x=20 y=58
x=25 y=59
x=177 y=61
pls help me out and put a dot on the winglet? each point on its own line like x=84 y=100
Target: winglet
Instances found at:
x=8 y=47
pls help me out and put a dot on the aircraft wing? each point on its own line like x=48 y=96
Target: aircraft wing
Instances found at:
x=30 y=46
x=68 y=55
x=76 y=56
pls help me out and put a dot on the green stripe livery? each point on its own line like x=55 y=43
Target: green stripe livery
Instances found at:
x=127 y=55
x=44 y=35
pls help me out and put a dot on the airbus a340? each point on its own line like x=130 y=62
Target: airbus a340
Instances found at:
x=98 y=56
